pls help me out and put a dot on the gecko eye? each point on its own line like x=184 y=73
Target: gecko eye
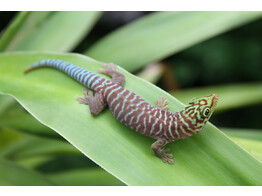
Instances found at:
x=205 y=112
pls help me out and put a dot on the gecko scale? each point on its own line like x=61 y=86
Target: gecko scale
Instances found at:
x=133 y=111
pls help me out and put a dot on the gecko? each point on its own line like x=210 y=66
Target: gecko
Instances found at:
x=132 y=110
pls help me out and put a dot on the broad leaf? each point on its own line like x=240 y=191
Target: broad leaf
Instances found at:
x=23 y=121
x=162 y=34
x=251 y=134
x=230 y=96
x=85 y=177
x=61 y=31
x=24 y=27
x=15 y=175
x=38 y=146
x=251 y=140
x=208 y=158
x=9 y=34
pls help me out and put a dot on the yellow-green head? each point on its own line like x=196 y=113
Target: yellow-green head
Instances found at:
x=199 y=111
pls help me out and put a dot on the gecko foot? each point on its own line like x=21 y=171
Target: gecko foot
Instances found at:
x=166 y=157
x=162 y=103
x=84 y=100
x=109 y=68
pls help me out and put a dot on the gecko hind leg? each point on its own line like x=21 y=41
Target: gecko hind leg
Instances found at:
x=110 y=69
x=162 y=103
x=162 y=153
x=96 y=103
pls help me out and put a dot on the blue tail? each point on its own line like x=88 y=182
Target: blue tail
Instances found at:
x=82 y=75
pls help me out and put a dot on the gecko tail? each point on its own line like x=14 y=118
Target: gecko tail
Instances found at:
x=83 y=76
x=29 y=69
x=43 y=63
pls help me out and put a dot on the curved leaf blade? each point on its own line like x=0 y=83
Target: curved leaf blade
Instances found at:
x=12 y=29
x=208 y=158
x=231 y=96
x=162 y=34
x=31 y=23
x=24 y=122
x=38 y=146
x=248 y=139
x=60 y=32
x=15 y=175
x=85 y=177
x=252 y=134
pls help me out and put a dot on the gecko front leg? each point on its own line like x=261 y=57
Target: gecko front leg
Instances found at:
x=156 y=147
x=96 y=103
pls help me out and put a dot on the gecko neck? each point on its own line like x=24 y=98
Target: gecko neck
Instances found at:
x=187 y=124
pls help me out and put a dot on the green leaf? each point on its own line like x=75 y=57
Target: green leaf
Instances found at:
x=252 y=146
x=159 y=35
x=251 y=134
x=7 y=138
x=230 y=96
x=32 y=146
x=15 y=175
x=29 y=150
x=59 y=32
x=85 y=177
x=5 y=103
x=31 y=23
x=23 y=121
x=34 y=162
x=14 y=116
x=208 y=158
x=12 y=29
x=249 y=139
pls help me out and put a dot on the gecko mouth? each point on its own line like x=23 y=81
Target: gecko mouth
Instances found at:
x=214 y=101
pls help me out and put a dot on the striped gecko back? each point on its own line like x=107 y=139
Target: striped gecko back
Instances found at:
x=138 y=114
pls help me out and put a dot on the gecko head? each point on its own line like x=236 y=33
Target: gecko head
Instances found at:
x=201 y=109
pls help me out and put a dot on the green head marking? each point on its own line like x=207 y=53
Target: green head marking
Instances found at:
x=199 y=110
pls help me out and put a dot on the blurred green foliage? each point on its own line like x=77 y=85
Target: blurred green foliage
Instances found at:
x=230 y=58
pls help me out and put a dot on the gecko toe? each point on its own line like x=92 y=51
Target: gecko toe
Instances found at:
x=101 y=71
x=85 y=92
x=164 y=159
x=82 y=100
x=90 y=93
x=170 y=161
x=162 y=103
x=167 y=158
